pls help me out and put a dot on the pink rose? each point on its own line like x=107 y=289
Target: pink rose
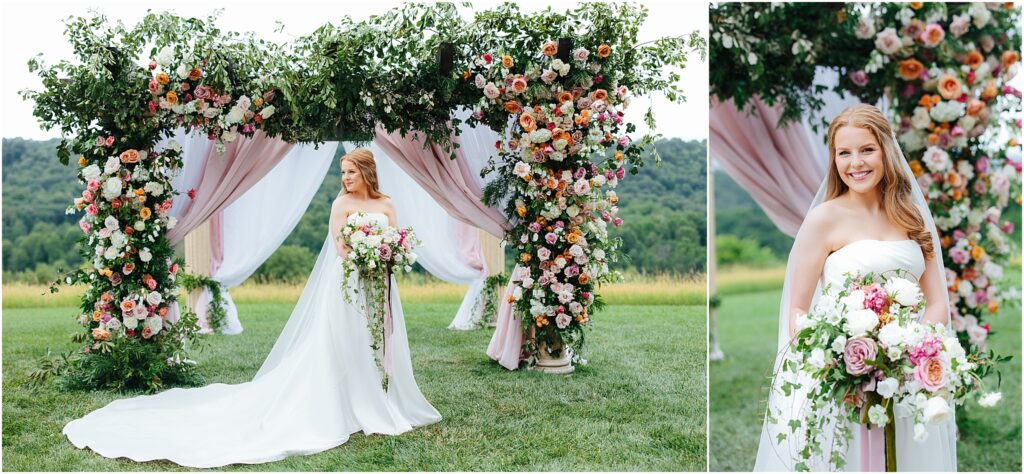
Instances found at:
x=860 y=78
x=92 y=210
x=385 y=252
x=933 y=35
x=875 y=298
x=857 y=353
x=551 y=238
x=930 y=374
x=930 y=347
x=85 y=226
x=617 y=222
x=534 y=227
x=109 y=141
x=959 y=255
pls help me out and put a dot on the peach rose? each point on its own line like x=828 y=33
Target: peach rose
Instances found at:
x=1009 y=58
x=930 y=374
x=584 y=278
x=599 y=94
x=974 y=59
x=550 y=48
x=911 y=69
x=100 y=334
x=975 y=107
x=145 y=213
x=513 y=107
x=172 y=98
x=506 y=61
x=604 y=51
x=528 y=122
x=195 y=74
x=949 y=87
x=990 y=91
x=130 y=156
x=162 y=78
x=127 y=305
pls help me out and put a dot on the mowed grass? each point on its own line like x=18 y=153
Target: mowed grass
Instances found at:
x=638 y=405
x=990 y=439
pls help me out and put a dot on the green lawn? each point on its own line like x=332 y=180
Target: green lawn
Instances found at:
x=990 y=439
x=639 y=404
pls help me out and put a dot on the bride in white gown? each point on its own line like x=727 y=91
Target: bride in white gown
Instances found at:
x=869 y=216
x=319 y=384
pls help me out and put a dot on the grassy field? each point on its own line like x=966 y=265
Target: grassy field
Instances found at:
x=638 y=405
x=990 y=439
x=636 y=289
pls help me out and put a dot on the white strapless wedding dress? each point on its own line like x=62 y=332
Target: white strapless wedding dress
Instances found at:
x=319 y=384
x=938 y=451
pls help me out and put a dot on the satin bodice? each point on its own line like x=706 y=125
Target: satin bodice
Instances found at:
x=380 y=217
x=873 y=256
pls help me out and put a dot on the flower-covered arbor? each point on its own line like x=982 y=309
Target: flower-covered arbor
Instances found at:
x=561 y=79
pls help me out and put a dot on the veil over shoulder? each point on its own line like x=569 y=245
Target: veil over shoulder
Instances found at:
x=318 y=385
x=777 y=453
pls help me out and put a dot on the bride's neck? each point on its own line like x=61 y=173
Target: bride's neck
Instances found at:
x=870 y=201
x=360 y=195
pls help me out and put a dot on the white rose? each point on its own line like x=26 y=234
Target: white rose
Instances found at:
x=154 y=298
x=145 y=255
x=171 y=222
x=118 y=239
x=887 y=388
x=859 y=322
x=540 y=135
x=892 y=335
x=211 y=112
x=165 y=56
x=904 y=291
x=936 y=410
x=480 y=81
x=521 y=169
x=268 y=111
x=91 y=172
x=112 y=188
x=113 y=164
x=182 y=71
x=155 y=324
x=853 y=301
x=921 y=120
x=154 y=188
x=130 y=322
x=139 y=225
x=110 y=253
x=235 y=115
x=111 y=223
x=937 y=160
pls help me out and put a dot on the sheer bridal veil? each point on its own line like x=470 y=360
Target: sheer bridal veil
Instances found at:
x=778 y=455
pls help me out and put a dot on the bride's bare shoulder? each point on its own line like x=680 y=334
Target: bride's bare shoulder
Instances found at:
x=821 y=219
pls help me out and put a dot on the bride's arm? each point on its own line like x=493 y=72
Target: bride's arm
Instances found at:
x=936 y=308
x=806 y=261
x=334 y=226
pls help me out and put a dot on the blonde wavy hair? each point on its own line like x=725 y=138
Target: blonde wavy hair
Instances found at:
x=367 y=166
x=895 y=186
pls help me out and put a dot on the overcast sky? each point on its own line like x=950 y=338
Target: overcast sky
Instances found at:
x=32 y=27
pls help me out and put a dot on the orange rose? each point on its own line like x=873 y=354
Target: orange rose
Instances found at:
x=1009 y=59
x=513 y=107
x=916 y=5
x=565 y=96
x=172 y=97
x=510 y=299
x=618 y=156
x=525 y=257
x=162 y=78
x=911 y=69
x=969 y=274
x=521 y=210
x=990 y=91
x=541 y=321
x=528 y=122
x=974 y=59
x=195 y=74
x=993 y=307
x=933 y=138
x=584 y=278
x=599 y=94
x=604 y=51
x=127 y=305
x=506 y=61
x=550 y=48
x=130 y=156
x=954 y=179
x=145 y=213
x=82 y=161
x=100 y=334
x=949 y=87
x=96 y=315
x=977 y=252
x=916 y=168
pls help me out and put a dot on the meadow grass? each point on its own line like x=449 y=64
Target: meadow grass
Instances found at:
x=636 y=289
x=639 y=404
x=989 y=439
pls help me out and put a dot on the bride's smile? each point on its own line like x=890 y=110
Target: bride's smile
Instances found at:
x=858 y=157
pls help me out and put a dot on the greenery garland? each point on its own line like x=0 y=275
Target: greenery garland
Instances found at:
x=216 y=317
x=487 y=300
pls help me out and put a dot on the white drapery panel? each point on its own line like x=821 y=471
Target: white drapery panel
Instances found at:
x=255 y=225
x=441 y=253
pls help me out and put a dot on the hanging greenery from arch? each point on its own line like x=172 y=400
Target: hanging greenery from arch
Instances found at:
x=944 y=69
x=404 y=71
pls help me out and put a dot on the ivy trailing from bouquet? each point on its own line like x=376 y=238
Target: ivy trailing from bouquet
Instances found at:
x=945 y=69
x=344 y=81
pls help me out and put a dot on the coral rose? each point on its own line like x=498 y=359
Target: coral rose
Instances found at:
x=550 y=48
x=1009 y=58
x=130 y=156
x=949 y=87
x=528 y=122
x=911 y=69
x=604 y=51
x=599 y=94
x=974 y=59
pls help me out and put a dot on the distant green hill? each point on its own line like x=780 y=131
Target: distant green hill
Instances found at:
x=664 y=210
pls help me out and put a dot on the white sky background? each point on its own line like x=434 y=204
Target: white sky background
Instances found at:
x=32 y=27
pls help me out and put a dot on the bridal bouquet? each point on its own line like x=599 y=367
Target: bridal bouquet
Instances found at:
x=865 y=358
x=377 y=250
